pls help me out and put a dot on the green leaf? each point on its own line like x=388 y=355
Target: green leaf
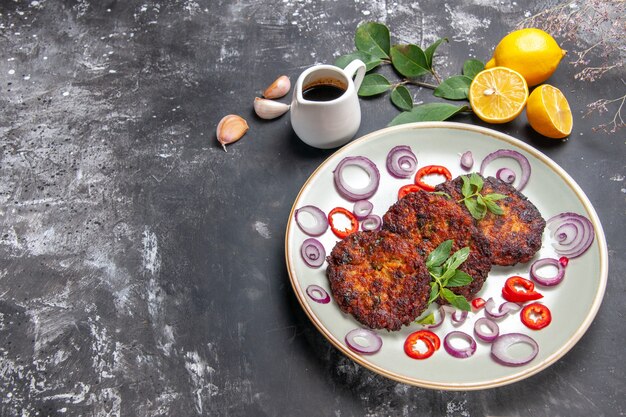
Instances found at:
x=369 y=60
x=495 y=196
x=374 y=84
x=448 y=295
x=476 y=181
x=409 y=60
x=434 y=292
x=471 y=67
x=374 y=39
x=436 y=270
x=454 y=88
x=472 y=207
x=460 y=302
x=457 y=258
x=429 y=319
x=440 y=254
x=459 y=279
x=442 y=193
x=493 y=207
x=430 y=52
x=401 y=97
x=428 y=112
x=466 y=189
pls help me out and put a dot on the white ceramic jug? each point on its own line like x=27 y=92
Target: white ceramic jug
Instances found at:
x=332 y=123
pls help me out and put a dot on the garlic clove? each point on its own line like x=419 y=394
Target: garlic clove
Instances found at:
x=230 y=129
x=278 y=88
x=269 y=109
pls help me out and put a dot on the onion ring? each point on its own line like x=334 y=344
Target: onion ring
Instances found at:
x=401 y=162
x=574 y=234
x=371 y=222
x=547 y=281
x=491 y=325
x=374 y=341
x=462 y=353
x=318 y=294
x=506 y=175
x=509 y=153
x=313 y=252
x=467 y=160
x=362 y=209
x=500 y=346
x=355 y=194
x=321 y=222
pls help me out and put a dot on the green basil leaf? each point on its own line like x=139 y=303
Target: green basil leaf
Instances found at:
x=434 y=292
x=459 y=279
x=460 y=302
x=442 y=193
x=466 y=189
x=448 y=295
x=401 y=97
x=369 y=60
x=429 y=319
x=409 y=60
x=435 y=112
x=480 y=201
x=476 y=181
x=495 y=196
x=436 y=270
x=472 y=207
x=493 y=207
x=454 y=88
x=471 y=67
x=374 y=84
x=374 y=39
x=430 y=52
x=457 y=258
x=440 y=254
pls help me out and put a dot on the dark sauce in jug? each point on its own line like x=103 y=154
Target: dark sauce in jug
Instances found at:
x=322 y=92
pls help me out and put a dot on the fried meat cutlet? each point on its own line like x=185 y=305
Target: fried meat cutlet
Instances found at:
x=427 y=220
x=515 y=236
x=377 y=277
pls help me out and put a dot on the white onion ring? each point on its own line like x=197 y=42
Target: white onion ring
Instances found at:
x=321 y=222
x=463 y=352
x=313 y=252
x=355 y=194
x=506 y=175
x=371 y=222
x=503 y=309
x=374 y=341
x=467 y=160
x=401 y=161
x=318 y=294
x=500 y=346
x=491 y=325
x=547 y=281
x=362 y=209
x=574 y=234
x=509 y=153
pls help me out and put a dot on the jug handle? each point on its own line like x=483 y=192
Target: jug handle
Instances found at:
x=357 y=66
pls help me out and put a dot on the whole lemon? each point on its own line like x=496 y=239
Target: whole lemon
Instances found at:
x=531 y=52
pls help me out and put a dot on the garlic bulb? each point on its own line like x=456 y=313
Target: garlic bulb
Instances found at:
x=279 y=88
x=269 y=109
x=230 y=129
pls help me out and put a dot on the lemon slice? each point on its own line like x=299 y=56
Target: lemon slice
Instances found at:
x=498 y=95
x=548 y=112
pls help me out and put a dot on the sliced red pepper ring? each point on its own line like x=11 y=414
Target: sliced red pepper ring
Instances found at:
x=536 y=316
x=519 y=290
x=406 y=189
x=354 y=223
x=430 y=340
x=431 y=170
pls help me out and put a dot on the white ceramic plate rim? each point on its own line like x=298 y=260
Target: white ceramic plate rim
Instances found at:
x=514 y=376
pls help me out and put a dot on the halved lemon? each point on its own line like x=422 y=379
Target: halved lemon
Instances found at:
x=498 y=95
x=548 y=112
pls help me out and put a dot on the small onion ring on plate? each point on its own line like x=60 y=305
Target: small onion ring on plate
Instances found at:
x=371 y=222
x=321 y=222
x=362 y=209
x=346 y=190
x=401 y=161
x=467 y=160
x=491 y=325
x=547 y=281
x=318 y=294
x=374 y=341
x=573 y=234
x=461 y=353
x=503 y=309
x=506 y=175
x=500 y=347
x=509 y=153
x=313 y=252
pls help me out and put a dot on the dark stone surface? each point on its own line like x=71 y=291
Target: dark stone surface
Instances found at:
x=141 y=267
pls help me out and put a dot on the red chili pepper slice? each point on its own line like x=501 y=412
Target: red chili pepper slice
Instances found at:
x=406 y=189
x=536 y=316
x=512 y=291
x=430 y=340
x=354 y=223
x=431 y=170
x=478 y=303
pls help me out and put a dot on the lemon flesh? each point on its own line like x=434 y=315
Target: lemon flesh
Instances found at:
x=498 y=95
x=549 y=113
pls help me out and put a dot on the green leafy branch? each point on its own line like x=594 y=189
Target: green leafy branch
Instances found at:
x=373 y=44
x=478 y=204
x=445 y=274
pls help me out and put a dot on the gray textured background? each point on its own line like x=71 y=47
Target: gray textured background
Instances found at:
x=141 y=267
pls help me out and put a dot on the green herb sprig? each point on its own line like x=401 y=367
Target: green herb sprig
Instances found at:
x=476 y=203
x=374 y=48
x=443 y=269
